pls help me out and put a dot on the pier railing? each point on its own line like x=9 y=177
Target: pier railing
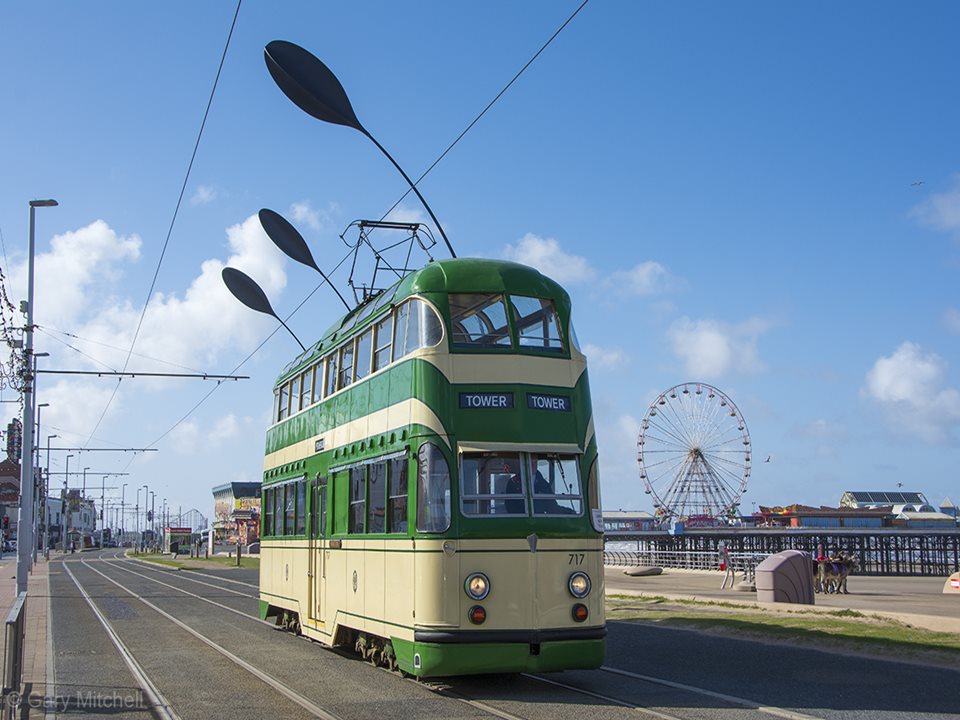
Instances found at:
x=884 y=552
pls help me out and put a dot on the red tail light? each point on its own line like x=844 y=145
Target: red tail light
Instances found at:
x=477 y=615
x=580 y=612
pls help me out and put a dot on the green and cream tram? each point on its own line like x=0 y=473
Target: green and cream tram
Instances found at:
x=430 y=488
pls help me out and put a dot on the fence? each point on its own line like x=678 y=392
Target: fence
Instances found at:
x=13 y=654
x=745 y=563
x=880 y=553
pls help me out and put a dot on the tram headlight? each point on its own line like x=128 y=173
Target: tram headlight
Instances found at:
x=477 y=586
x=579 y=584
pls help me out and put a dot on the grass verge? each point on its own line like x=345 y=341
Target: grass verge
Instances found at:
x=848 y=630
x=250 y=563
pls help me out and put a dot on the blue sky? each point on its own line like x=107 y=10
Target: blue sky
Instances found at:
x=726 y=191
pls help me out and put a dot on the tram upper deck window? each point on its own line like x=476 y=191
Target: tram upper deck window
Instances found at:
x=284 y=401
x=382 y=343
x=479 y=320
x=536 y=322
x=492 y=484
x=363 y=354
x=556 y=484
x=346 y=366
x=418 y=326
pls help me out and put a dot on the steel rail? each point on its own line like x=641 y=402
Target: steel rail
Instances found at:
x=273 y=682
x=157 y=700
x=733 y=699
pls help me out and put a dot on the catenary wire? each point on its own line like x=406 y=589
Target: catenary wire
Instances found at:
x=173 y=220
x=402 y=197
x=484 y=111
x=48 y=329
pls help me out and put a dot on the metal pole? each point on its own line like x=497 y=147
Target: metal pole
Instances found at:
x=46 y=504
x=123 y=520
x=26 y=450
x=103 y=519
x=37 y=479
x=66 y=514
x=136 y=519
x=146 y=493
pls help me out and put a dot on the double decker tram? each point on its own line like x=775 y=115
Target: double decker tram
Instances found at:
x=430 y=489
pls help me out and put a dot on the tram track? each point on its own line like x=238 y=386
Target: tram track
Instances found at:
x=438 y=688
x=277 y=685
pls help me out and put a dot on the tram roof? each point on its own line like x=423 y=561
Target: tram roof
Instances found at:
x=459 y=275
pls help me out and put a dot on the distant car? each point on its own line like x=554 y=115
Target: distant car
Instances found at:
x=253 y=548
x=10 y=546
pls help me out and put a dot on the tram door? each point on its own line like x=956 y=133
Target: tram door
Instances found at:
x=318 y=522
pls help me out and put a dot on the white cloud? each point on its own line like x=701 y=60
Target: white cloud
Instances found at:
x=951 y=318
x=71 y=275
x=911 y=385
x=185 y=437
x=203 y=195
x=607 y=358
x=545 y=255
x=646 y=278
x=710 y=349
x=76 y=404
x=193 y=330
x=305 y=214
x=942 y=210
x=226 y=428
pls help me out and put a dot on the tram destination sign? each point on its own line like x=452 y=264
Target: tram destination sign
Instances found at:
x=486 y=400
x=553 y=403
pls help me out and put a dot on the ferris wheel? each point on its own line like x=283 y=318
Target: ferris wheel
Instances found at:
x=694 y=454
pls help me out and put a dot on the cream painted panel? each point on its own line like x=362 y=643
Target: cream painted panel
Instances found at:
x=399 y=592
x=485 y=369
x=373 y=578
x=355 y=596
x=435 y=578
x=394 y=416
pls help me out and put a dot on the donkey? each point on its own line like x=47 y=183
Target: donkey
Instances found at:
x=834 y=571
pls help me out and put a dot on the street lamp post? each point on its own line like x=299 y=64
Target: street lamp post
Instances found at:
x=83 y=491
x=37 y=477
x=67 y=516
x=26 y=451
x=123 y=520
x=146 y=492
x=136 y=517
x=46 y=509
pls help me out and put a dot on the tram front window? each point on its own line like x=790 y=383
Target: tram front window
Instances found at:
x=536 y=322
x=479 y=320
x=556 y=484
x=493 y=485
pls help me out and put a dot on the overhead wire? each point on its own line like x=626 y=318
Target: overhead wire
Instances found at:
x=173 y=220
x=47 y=328
x=489 y=105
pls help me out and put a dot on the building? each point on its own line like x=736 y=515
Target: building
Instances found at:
x=948 y=508
x=899 y=501
x=924 y=519
x=80 y=518
x=236 y=512
x=9 y=497
x=617 y=521
x=798 y=515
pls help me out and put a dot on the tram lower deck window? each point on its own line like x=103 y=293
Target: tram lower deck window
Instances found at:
x=520 y=484
x=493 y=484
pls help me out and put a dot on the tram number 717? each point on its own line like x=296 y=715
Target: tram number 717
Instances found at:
x=576 y=559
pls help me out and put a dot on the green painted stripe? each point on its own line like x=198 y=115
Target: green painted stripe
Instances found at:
x=282 y=597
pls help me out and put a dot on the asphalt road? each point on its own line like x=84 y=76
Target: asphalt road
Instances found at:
x=193 y=648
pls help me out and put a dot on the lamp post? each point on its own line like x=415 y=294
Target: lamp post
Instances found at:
x=146 y=491
x=46 y=509
x=136 y=517
x=66 y=515
x=123 y=520
x=153 y=516
x=37 y=477
x=26 y=451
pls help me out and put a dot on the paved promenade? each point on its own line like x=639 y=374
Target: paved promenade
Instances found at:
x=918 y=601
x=35 y=654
